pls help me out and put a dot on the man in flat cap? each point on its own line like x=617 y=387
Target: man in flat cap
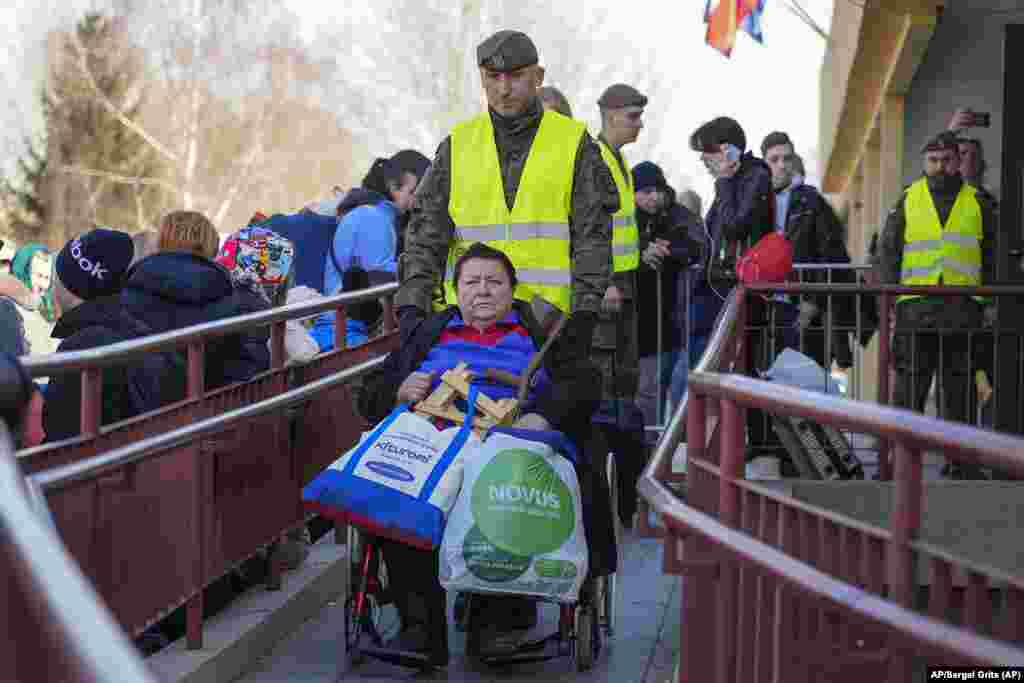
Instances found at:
x=615 y=337
x=941 y=232
x=531 y=183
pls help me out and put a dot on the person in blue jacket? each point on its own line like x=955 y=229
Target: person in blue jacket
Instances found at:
x=366 y=244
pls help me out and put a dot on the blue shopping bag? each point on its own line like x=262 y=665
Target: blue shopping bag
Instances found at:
x=401 y=480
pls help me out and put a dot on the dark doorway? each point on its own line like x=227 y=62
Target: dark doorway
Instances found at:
x=1009 y=356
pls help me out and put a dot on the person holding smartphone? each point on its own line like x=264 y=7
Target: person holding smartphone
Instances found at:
x=742 y=212
x=972 y=152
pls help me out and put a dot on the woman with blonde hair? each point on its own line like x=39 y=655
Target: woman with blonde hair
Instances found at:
x=181 y=285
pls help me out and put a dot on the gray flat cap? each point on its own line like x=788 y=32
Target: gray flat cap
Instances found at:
x=621 y=95
x=506 y=51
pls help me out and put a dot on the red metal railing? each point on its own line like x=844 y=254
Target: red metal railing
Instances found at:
x=156 y=508
x=56 y=627
x=779 y=590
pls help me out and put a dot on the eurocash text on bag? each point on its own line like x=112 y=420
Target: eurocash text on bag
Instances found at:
x=401 y=481
x=517 y=526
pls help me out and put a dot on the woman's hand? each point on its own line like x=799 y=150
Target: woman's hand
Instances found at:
x=532 y=421
x=415 y=387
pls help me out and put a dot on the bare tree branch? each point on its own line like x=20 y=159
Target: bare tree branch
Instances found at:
x=110 y=106
x=117 y=178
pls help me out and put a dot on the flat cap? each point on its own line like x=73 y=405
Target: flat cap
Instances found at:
x=947 y=139
x=621 y=95
x=506 y=51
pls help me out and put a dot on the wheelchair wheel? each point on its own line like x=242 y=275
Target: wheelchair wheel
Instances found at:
x=612 y=474
x=607 y=605
x=354 y=625
x=471 y=625
x=588 y=637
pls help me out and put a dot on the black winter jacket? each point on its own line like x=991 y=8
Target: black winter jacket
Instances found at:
x=172 y=290
x=677 y=225
x=128 y=390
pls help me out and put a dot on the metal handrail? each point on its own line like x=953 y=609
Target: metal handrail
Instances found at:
x=897 y=290
x=51 y=363
x=988 y=447
x=60 y=477
x=98 y=644
x=879 y=610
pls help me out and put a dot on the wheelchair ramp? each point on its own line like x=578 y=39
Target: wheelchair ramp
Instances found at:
x=641 y=651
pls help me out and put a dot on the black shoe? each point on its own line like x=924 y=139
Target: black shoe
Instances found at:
x=415 y=640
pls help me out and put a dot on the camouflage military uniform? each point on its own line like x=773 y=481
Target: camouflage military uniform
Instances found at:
x=431 y=230
x=615 y=347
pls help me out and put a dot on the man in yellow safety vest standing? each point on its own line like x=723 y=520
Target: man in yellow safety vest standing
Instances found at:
x=939 y=233
x=531 y=183
x=615 y=338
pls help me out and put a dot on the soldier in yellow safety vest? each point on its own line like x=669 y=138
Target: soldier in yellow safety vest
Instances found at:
x=521 y=179
x=939 y=233
x=531 y=183
x=615 y=338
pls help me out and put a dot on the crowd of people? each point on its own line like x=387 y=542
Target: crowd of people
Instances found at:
x=521 y=219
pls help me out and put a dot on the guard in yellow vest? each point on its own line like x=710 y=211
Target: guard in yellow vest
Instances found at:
x=615 y=338
x=941 y=232
x=531 y=183
x=521 y=179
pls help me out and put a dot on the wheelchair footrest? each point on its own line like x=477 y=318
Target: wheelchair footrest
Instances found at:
x=412 y=660
x=525 y=652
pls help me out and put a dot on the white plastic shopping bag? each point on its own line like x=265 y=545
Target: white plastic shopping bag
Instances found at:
x=517 y=525
x=400 y=481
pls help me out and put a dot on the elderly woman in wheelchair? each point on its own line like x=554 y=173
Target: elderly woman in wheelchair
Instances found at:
x=490 y=329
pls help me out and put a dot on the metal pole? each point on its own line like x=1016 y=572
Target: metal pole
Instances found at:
x=659 y=416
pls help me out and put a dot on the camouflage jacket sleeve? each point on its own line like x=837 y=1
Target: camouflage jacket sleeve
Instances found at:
x=428 y=236
x=890 y=245
x=594 y=200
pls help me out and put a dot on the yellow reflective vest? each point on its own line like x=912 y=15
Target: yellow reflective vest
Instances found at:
x=625 y=234
x=535 y=233
x=933 y=251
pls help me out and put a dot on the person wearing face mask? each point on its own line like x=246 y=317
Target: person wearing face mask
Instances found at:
x=804 y=217
x=941 y=232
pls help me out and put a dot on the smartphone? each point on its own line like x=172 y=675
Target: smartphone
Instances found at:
x=732 y=153
x=982 y=119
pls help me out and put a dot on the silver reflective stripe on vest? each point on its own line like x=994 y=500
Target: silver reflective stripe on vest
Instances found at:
x=531 y=276
x=952 y=264
x=623 y=221
x=513 y=231
x=542 y=276
x=625 y=249
x=961 y=239
x=923 y=245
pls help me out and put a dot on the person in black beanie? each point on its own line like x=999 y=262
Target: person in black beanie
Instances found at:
x=670 y=240
x=88 y=275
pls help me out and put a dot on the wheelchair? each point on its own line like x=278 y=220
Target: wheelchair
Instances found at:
x=582 y=627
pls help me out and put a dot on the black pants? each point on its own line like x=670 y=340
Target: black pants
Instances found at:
x=769 y=331
x=931 y=340
x=630 y=451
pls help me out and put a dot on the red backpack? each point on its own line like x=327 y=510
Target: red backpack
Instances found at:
x=770 y=260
